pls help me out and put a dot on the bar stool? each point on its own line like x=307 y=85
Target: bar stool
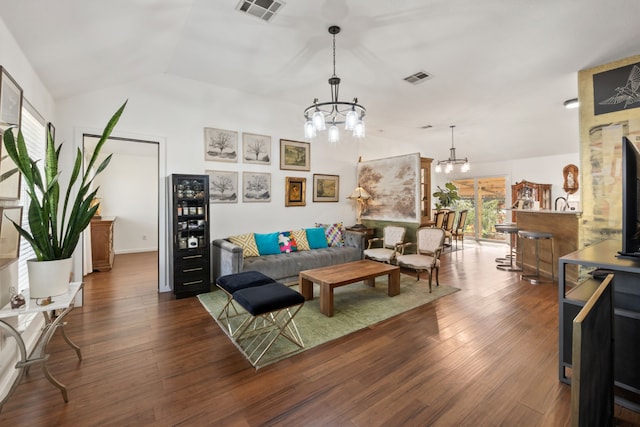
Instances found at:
x=500 y=228
x=506 y=263
x=537 y=236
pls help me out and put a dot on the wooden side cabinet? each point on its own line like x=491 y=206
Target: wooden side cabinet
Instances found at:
x=102 y=243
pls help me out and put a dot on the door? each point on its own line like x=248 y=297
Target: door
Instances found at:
x=485 y=198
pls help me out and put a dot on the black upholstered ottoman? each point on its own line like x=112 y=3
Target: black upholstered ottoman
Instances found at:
x=247 y=279
x=267 y=298
x=231 y=283
x=272 y=308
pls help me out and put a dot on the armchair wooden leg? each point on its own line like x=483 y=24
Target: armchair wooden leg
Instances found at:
x=437 y=273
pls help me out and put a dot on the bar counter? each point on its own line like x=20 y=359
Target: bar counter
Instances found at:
x=564 y=225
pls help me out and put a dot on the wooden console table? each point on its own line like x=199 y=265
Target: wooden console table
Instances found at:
x=15 y=321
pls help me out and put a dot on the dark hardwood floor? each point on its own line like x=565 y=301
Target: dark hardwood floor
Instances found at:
x=484 y=356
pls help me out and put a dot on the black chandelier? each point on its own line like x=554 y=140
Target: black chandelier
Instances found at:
x=452 y=160
x=334 y=112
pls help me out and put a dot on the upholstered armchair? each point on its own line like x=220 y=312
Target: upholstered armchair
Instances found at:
x=392 y=239
x=429 y=244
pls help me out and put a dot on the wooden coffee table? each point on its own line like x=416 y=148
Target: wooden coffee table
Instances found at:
x=345 y=274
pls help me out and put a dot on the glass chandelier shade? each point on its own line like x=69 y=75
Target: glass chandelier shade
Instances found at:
x=336 y=112
x=452 y=160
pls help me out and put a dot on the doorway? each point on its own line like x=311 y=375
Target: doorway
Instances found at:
x=485 y=198
x=129 y=196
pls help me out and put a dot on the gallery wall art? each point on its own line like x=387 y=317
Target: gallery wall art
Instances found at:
x=256 y=149
x=256 y=187
x=220 y=145
x=223 y=186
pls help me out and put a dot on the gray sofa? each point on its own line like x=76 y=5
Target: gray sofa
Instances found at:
x=227 y=258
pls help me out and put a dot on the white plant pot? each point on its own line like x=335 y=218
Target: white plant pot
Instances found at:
x=48 y=278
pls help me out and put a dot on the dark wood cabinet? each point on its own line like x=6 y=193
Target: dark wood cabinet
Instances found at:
x=189 y=259
x=102 y=243
x=524 y=194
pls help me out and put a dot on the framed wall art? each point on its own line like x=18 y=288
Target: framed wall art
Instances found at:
x=9 y=175
x=326 y=188
x=394 y=186
x=9 y=237
x=256 y=149
x=617 y=89
x=220 y=145
x=10 y=100
x=295 y=155
x=295 y=191
x=223 y=186
x=256 y=187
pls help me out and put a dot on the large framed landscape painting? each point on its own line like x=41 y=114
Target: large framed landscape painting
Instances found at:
x=394 y=186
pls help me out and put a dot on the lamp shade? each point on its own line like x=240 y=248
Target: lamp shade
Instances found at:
x=359 y=193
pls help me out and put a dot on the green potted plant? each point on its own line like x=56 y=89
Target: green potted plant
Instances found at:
x=54 y=229
x=446 y=196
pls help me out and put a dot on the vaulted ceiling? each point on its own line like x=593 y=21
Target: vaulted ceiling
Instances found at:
x=500 y=69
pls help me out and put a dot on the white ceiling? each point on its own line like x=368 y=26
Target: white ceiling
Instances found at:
x=501 y=68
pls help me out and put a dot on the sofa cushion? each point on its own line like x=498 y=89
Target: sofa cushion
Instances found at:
x=301 y=239
x=334 y=234
x=267 y=243
x=316 y=238
x=287 y=242
x=288 y=266
x=248 y=244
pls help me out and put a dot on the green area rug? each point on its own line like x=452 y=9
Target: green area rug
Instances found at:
x=356 y=306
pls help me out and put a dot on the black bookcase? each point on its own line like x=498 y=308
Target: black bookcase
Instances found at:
x=189 y=260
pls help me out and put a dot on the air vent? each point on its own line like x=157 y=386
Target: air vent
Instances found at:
x=418 y=77
x=263 y=9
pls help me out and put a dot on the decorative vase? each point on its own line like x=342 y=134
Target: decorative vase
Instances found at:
x=48 y=278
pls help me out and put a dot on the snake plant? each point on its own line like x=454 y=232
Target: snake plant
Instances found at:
x=55 y=230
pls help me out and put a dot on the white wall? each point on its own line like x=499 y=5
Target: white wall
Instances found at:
x=129 y=193
x=179 y=110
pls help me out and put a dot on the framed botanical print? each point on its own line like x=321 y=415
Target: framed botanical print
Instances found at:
x=295 y=155
x=295 y=191
x=256 y=149
x=220 y=145
x=9 y=236
x=10 y=100
x=223 y=186
x=256 y=187
x=326 y=188
x=9 y=174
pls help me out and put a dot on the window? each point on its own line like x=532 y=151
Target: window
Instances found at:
x=33 y=129
x=485 y=199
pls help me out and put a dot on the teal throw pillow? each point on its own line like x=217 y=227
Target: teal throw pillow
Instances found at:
x=267 y=243
x=316 y=238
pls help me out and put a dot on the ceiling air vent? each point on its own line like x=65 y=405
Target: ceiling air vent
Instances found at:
x=418 y=77
x=263 y=9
